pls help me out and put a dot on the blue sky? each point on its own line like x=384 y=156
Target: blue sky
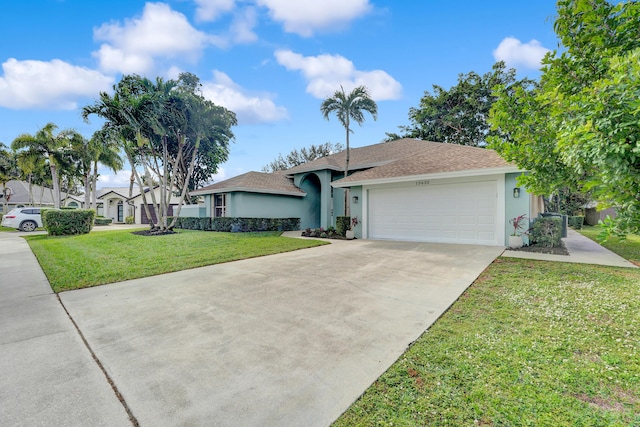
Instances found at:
x=272 y=62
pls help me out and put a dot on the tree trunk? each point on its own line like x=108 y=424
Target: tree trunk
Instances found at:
x=347 y=208
x=87 y=189
x=186 y=183
x=31 y=200
x=56 y=184
x=132 y=179
x=94 y=189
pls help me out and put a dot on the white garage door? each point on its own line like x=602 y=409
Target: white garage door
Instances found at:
x=448 y=213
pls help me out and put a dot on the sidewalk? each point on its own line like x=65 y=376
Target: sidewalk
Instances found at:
x=581 y=250
x=47 y=374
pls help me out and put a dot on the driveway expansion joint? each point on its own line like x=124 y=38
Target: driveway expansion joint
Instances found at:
x=132 y=418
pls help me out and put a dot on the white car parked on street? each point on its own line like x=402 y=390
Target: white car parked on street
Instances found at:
x=25 y=219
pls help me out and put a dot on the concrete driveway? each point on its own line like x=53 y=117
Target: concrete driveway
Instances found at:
x=284 y=340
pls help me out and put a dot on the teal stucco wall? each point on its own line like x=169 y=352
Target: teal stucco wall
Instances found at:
x=258 y=205
x=514 y=207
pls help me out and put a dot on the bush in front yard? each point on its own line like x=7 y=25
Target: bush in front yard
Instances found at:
x=68 y=222
x=576 y=222
x=547 y=232
x=102 y=221
x=343 y=223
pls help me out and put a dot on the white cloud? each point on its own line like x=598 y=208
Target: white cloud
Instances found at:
x=243 y=25
x=109 y=179
x=209 y=10
x=55 y=84
x=325 y=74
x=513 y=52
x=249 y=109
x=303 y=17
x=160 y=32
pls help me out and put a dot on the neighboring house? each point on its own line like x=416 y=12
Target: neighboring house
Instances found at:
x=401 y=190
x=116 y=204
x=18 y=192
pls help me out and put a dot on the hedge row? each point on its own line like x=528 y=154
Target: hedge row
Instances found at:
x=102 y=221
x=576 y=222
x=67 y=222
x=239 y=224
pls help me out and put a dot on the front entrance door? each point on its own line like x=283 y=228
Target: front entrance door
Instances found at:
x=120 y=212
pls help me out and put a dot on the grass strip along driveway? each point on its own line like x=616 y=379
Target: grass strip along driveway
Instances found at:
x=75 y=262
x=530 y=343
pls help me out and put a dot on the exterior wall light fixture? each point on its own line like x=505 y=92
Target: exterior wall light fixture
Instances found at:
x=516 y=192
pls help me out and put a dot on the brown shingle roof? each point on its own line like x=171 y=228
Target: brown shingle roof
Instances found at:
x=432 y=158
x=254 y=182
x=364 y=157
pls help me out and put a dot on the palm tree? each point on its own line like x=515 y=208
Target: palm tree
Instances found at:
x=34 y=169
x=54 y=148
x=8 y=171
x=349 y=107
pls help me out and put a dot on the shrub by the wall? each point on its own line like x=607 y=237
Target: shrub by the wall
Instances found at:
x=100 y=220
x=547 y=232
x=191 y=223
x=343 y=223
x=576 y=222
x=68 y=222
x=129 y=220
x=238 y=224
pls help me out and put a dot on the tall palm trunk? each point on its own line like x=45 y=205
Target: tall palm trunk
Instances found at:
x=94 y=189
x=56 y=183
x=347 y=208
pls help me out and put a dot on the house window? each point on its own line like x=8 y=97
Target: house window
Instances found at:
x=220 y=205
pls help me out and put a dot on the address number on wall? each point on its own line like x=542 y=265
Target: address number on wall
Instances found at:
x=423 y=182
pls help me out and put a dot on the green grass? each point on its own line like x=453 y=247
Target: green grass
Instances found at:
x=628 y=248
x=530 y=343
x=6 y=229
x=75 y=262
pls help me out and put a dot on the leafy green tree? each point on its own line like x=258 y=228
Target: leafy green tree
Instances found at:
x=88 y=154
x=34 y=170
x=460 y=114
x=581 y=125
x=162 y=126
x=307 y=154
x=55 y=149
x=349 y=107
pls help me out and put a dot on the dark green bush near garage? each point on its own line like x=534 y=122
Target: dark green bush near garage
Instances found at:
x=68 y=222
x=343 y=223
x=547 y=232
x=239 y=225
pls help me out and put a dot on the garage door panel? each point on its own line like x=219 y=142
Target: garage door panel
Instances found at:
x=453 y=213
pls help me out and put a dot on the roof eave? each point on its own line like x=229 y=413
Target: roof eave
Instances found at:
x=438 y=175
x=248 y=190
x=352 y=167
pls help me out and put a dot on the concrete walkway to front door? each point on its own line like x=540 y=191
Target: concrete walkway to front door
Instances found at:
x=283 y=340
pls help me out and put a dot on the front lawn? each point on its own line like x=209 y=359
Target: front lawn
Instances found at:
x=530 y=343
x=628 y=248
x=97 y=258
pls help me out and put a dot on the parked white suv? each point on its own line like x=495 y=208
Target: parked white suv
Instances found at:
x=25 y=219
